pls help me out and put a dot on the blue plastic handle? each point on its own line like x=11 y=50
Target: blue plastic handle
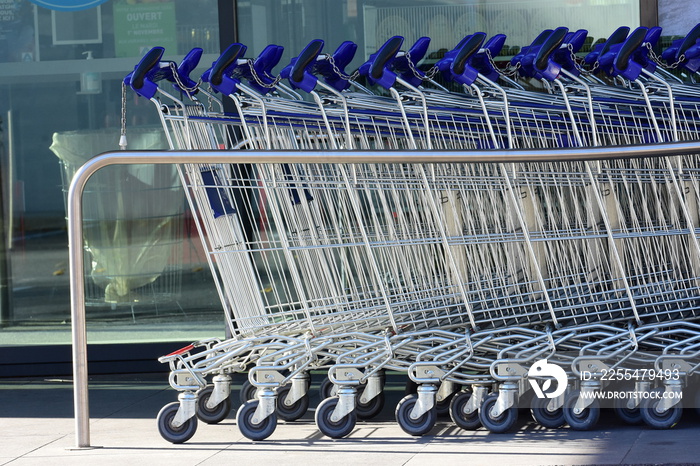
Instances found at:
x=543 y=63
x=262 y=67
x=148 y=72
x=623 y=63
x=219 y=75
x=298 y=72
x=377 y=68
x=480 y=62
x=613 y=43
x=563 y=55
x=187 y=65
x=415 y=54
x=456 y=66
x=539 y=40
x=537 y=61
x=688 y=48
x=336 y=76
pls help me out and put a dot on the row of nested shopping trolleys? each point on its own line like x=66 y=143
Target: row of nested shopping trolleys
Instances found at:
x=480 y=281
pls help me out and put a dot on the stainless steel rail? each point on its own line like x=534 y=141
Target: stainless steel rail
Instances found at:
x=75 y=216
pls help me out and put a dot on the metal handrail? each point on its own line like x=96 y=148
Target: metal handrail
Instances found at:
x=75 y=214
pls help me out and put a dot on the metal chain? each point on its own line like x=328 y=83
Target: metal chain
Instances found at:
x=122 y=138
x=259 y=81
x=655 y=58
x=427 y=75
x=577 y=62
x=181 y=85
x=509 y=72
x=336 y=70
x=210 y=92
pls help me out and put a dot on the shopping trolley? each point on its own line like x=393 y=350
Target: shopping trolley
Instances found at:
x=392 y=266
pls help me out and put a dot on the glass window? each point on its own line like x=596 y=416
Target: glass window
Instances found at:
x=60 y=102
x=369 y=23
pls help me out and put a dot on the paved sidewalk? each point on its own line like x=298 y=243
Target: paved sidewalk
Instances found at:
x=38 y=429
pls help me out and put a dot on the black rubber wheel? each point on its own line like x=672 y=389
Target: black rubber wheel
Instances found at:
x=248 y=392
x=326 y=389
x=665 y=420
x=370 y=409
x=331 y=429
x=457 y=414
x=293 y=412
x=629 y=416
x=252 y=431
x=587 y=419
x=543 y=416
x=175 y=434
x=501 y=424
x=216 y=414
x=417 y=427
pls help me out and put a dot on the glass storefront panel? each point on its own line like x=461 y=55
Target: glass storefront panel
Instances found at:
x=369 y=23
x=60 y=102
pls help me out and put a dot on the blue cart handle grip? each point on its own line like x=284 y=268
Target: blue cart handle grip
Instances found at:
x=409 y=71
x=299 y=74
x=549 y=46
x=224 y=62
x=624 y=64
x=383 y=57
x=615 y=38
x=332 y=68
x=469 y=47
x=262 y=69
x=690 y=39
x=145 y=75
x=187 y=65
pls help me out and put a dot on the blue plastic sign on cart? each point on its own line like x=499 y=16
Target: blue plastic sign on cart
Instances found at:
x=68 y=5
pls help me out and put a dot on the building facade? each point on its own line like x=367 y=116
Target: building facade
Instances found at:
x=148 y=286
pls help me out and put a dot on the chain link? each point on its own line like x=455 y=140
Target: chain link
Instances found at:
x=336 y=70
x=188 y=90
x=509 y=72
x=275 y=81
x=122 y=138
x=427 y=75
x=577 y=62
x=655 y=58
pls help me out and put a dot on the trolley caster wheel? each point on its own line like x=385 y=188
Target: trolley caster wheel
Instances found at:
x=248 y=392
x=459 y=417
x=171 y=433
x=327 y=389
x=656 y=420
x=329 y=428
x=371 y=409
x=417 y=427
x=585 y=420
x=293 y=412
x=211 y=415
x=501 y=424
x=544 y=416
x=259 y=431
x=629 y=416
